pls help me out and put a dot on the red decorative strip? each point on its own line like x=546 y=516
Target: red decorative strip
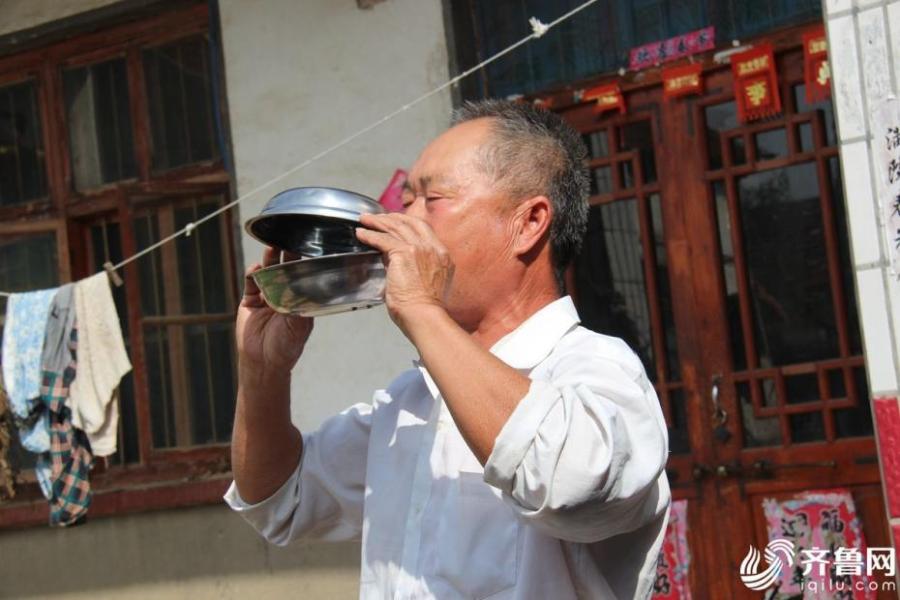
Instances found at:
x=887 y=420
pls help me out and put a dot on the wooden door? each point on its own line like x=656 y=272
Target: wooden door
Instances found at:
x=719 y=252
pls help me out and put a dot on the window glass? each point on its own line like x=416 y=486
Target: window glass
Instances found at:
x=598 y=39
x=98 y=117
x=22 y=168
x=188 y=326
x=181 y=105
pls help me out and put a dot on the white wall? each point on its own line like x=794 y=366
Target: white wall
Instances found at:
x=864 y=50
x=16 y=15
x=300 y=77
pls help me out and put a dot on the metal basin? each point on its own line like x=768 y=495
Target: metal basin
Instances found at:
x=313 y=221
x=314 y=287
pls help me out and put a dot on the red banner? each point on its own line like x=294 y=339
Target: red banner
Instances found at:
x=756 y=83
x=663 y=51
x=817 y=71
x=682 y=81
x=608 y=97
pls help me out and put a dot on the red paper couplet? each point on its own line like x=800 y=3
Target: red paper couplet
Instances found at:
x=682 y=81
x=755 y=83
x=817 y=71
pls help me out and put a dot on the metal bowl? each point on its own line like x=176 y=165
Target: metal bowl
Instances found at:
x=313 y=221
x=326 y=285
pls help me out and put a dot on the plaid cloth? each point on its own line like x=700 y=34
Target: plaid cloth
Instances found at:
x=69 y=460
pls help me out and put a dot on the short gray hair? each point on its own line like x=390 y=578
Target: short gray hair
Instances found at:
x=535 y=152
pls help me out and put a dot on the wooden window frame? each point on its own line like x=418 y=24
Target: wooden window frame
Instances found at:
x=163 y=478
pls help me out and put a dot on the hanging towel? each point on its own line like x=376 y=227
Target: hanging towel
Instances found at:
x=65 y=469
x=102 y=361
x=23 y=340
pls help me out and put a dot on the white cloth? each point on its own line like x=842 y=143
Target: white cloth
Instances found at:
x=572 y=503
x=102 y=361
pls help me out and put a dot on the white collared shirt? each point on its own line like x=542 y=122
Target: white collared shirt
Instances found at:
x=572 y=502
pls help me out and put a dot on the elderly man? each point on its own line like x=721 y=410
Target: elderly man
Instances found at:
x=524 y=456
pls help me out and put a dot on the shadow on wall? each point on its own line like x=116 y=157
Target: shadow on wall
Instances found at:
x=166 y=548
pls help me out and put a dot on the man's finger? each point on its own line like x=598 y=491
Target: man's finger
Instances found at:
x=395 y=225
x=271 y=256
x=251 y=290
x=378 y=239
x=421 y=228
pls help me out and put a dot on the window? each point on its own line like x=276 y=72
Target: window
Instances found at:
x=22 y=166
x=138 y=130
x=101 y=142
x=181 y=103
x=599 y=38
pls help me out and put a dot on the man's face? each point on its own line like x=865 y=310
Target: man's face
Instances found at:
x=470 y=214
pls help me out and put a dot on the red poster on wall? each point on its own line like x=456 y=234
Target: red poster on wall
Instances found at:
x=608 y=97
x=756 y=83
x=817 y=72
x=682 y=81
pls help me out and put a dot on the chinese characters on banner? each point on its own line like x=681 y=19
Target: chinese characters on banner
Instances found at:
x=663 y=51
x=886 y=142
x=674 y=560
x=831 y=554
x=682 y=81
x=817 y=72
x=608 y=97
x=755 y=83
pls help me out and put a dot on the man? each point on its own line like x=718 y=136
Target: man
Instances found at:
x=524 y=457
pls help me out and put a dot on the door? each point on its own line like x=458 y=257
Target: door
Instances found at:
x=719 y=252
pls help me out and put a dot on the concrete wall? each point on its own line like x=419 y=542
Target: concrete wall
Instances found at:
x=193 y=554
x=864 y=47
x=16 y=15
x=300 y=76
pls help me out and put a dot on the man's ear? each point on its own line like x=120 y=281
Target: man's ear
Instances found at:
x=533 y=217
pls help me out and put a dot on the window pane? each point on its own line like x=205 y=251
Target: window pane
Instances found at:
x=190 y=362
x=789 y=285
x=22 y=171
x=99 y=123
x=181 y=103
x=106 y=245
x=771 y=144
x=824 y=109
x=612 y=292
x=719 y=119
x=639 y=136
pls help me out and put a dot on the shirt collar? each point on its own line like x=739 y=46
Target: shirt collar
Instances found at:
x=530 y=342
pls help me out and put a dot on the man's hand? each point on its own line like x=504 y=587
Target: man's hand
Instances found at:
x=419 y=268
x=267 y=340
x=265 y=446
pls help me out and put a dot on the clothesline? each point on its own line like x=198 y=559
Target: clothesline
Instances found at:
x=538 y=29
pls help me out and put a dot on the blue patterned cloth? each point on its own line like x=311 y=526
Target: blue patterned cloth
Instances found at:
x=23 y=342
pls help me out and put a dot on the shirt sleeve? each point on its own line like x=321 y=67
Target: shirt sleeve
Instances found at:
x=582 y=456
x=323 y=497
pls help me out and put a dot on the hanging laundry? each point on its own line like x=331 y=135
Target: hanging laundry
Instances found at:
x=23 y=341
x=7 y=479
x=102 y=361
x=65 y=469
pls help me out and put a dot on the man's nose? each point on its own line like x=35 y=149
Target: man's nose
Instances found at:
x=416 y=208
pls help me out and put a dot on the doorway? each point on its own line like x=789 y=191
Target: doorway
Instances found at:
x=719 y=251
